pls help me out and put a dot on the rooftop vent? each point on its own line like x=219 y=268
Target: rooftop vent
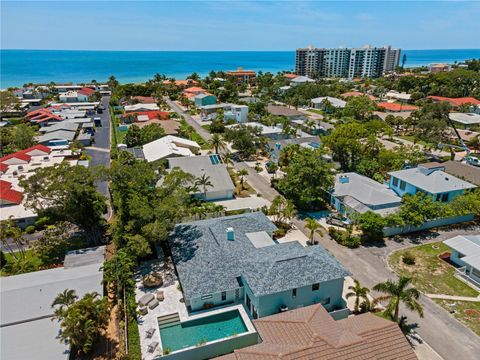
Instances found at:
x=230 y=234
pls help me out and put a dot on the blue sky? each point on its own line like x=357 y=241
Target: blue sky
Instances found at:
x=237 y=25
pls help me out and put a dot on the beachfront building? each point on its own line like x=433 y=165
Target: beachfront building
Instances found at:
x=367 y=61
x=240 y=75
x=234 y=260
x=429 y=179
x=437 y=68
x=210 y=166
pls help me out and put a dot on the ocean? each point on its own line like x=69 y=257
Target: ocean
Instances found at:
x=39 y=66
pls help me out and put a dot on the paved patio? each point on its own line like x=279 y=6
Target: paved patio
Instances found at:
x=251 y=202
x=173 y=303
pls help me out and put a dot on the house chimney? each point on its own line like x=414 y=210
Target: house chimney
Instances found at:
x=230 y=234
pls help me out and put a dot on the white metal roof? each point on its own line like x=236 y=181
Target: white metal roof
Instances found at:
x=468 y=246
x=465 y=118
x=168 y=146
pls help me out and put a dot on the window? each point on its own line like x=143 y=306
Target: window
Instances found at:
x=325 y=301
x=294 y=293
x=206 y=297
x=394 y=181
x=445 y=197
x=460 y=255
x=403 y=185
x=315 y=286
x=248 y=302
x=224 y=295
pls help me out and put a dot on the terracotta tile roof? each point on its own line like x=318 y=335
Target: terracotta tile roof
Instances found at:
x=161 y=115
x=25 y=154
x=311 y=333
x=182 y=82
x=456 y=101
x=42 y=115
x=290 y=76
x=8 y=194
x=241 y=72
x=357 y=93
x=144 y=99
x=194 y=89
x=396 y=107
x=86 y=91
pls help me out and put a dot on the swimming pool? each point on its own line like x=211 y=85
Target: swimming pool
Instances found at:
x=181 y=335
x=317 y=215
x=215 y=159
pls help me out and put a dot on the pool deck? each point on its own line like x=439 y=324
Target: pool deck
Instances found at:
x=173 y=303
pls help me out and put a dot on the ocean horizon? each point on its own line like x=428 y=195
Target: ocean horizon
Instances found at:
x=40 y=66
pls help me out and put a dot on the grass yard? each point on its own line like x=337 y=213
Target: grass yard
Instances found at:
x=247 y=189
x=414 y=140
x=430 y=274
x=316 y=111
x=466 y=312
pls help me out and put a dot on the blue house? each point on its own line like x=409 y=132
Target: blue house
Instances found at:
x=431 y=180
x=234 y=260
x=204 y=99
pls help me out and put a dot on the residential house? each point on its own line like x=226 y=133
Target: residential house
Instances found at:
x=465 y=120
x=395 y=95
x=319 y=103
x=143 y=116
x=279 y=110
x=204 y=99
x=270 y=132
x=169 y=146
x=276 y=146
x=56 y=137
x=300 y=80
x=356 y=94
x=463 y=171
x=234 y=259
x=241 y=75
x=239 y=113
x=27 y=327
x=466 y=254
x=311 y=333
x=144 y=99
x=395 y=107
x=383 y=115
x=141 y=107
x=182 y=84
x=436 y=68
x=82 y=95
x=431 y=180
x=356 y=193
x=456 y=103
x=211 y=166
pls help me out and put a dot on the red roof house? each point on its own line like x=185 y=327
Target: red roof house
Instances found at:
x=86 y=91
x=357 y=93
x=456 y=102
x=148 y=115
x=396 y=107
x=24 y=156
x=9 y=196
x=290 y=76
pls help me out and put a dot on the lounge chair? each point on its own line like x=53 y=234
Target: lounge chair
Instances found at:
x=150 y=332
x=153 y=304
x=145 y=299
x=143 y=310
x=159 y=295
x=152 y=346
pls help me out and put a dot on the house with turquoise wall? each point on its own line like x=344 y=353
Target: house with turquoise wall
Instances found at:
x=234 y=259
x=431 y=180
x=204 y=99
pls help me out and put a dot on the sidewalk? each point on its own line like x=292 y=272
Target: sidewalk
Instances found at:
x=454 y=298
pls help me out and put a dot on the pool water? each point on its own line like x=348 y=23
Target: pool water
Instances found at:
x=317 y=215
x=193 y=332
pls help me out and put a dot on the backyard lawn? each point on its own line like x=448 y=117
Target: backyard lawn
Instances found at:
x=466 y=312
x=430 y=274
x=32 y=263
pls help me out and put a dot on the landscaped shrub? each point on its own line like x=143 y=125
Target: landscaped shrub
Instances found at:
x=344 y=238
x=408 y=258
x=280 y=232
x=30 y=229
x=41 y=223
x=271 y=167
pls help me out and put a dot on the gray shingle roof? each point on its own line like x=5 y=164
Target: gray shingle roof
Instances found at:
x=56 y=135
x=433 y=182
x=207 y=262
x=67 y=126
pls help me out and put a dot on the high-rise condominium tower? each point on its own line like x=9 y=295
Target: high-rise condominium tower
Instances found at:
x=367 y=61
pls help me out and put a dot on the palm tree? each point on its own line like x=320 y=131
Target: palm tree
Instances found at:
x=360 y=293
x=242 y=173
x=217 y=143
x=400 y=292
x=64 y=300
x=314 y=227
x=227 y=159
x=204 y=182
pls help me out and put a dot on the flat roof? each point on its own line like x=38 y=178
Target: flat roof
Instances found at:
x=208 y=263
x=468 y=245
x=465 y=118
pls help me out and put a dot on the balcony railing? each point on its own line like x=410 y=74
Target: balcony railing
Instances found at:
x=462 y=272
